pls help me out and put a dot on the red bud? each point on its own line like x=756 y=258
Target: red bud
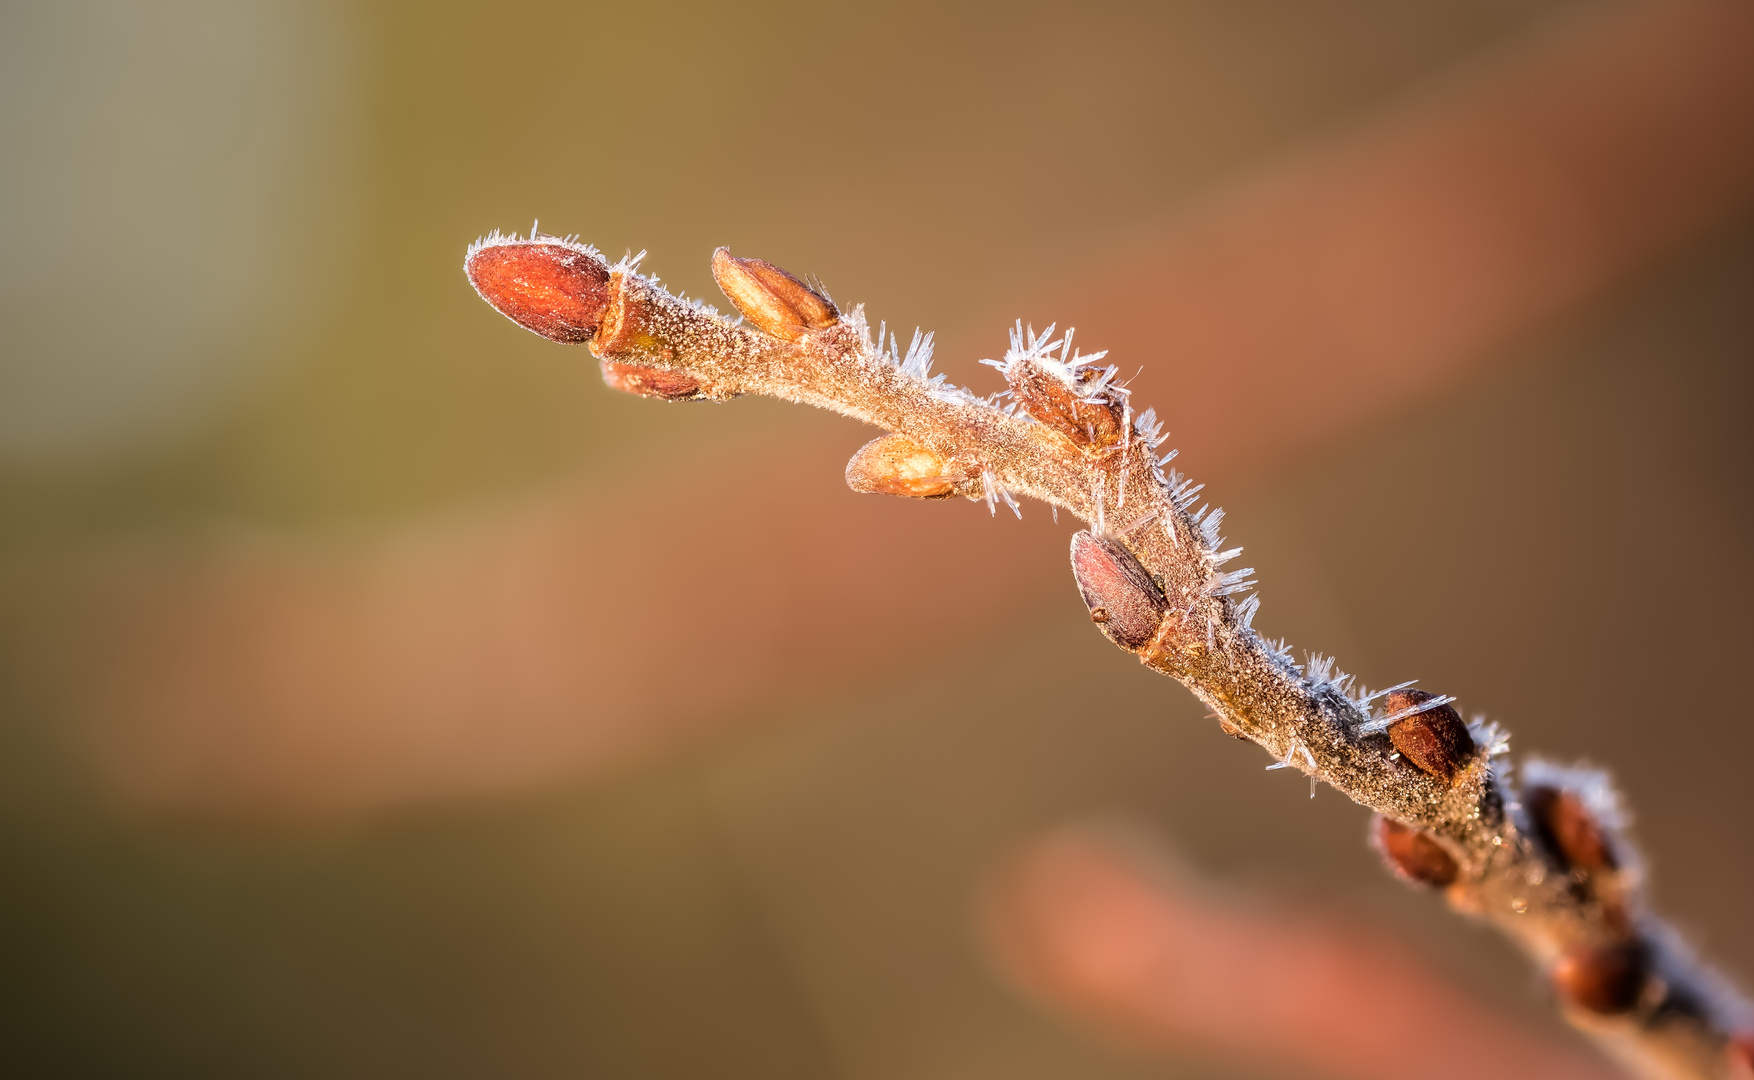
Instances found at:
x=1095 y=422
x=1412 y=854
x=1118 y=590
x=1566 y=828
x=547 y=286
x=1605 y=980
x=1436 y=740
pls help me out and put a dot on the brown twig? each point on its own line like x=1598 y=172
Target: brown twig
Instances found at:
x=1548 y=862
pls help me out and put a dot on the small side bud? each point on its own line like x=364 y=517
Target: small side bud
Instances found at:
x=897 y=465
x=546 y=285
x=1603 y=980
x=1436 y=740
x=775 y=301
x=1232 y=730
x=1116 y=588
x=661 y=383
x=1064 y=402
x=1412 y=854
x=1567 y=829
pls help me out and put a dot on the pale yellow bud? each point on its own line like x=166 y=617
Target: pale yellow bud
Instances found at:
x=775 y=301
x=896 y=465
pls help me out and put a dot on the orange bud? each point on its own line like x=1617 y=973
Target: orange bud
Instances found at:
x=1566 y=828
x=896 y=465
x=775 y=301
x=1605 y=980
x=664 y=383
x=1436 y=740
x=1118 y=590
x=1412 y=854
x=1095 y=422
x=547 y=286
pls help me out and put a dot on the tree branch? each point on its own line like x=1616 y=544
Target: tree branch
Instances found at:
x=1548 y=862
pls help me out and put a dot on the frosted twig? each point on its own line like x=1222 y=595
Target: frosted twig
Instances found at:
x=1546 y=861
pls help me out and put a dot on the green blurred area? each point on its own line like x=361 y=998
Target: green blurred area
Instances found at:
x=795 y=901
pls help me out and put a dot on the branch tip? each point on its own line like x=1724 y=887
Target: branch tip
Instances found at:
x=550 y=286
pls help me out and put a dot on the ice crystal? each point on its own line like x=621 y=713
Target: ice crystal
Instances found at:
x=1382 y=723
x=499 y=239
x=1245 y=612
x=1490 y=734
x=1040 y=349
x=1209 y=529
x=1151 y=433
x=1182 y=490
x=1005 y=493
x=1225 y=584
x=1365 y=700
x=994 y=493
x=917 y=364
x=629 y=264
x=1297 y=749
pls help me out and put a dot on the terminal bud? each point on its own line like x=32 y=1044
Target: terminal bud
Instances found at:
x=546 y=285
x=897 y=465
x=1118 y=590
x=1413 y=854
x=1436 y=740
x=775 y=301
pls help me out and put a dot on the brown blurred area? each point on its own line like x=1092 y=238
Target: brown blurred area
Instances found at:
x=383 y=695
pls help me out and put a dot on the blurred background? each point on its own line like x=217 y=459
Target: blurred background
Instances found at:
x=381 y=695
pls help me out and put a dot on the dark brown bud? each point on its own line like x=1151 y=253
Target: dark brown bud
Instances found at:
x=547 y=286
x=1601 y=979
x=1093 y=421
x=1567 y=829
x=897 y=465
x=775 y=301
x=1436 y=739
x=664 y=383
x=1413 y=854
x=1112 y=580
